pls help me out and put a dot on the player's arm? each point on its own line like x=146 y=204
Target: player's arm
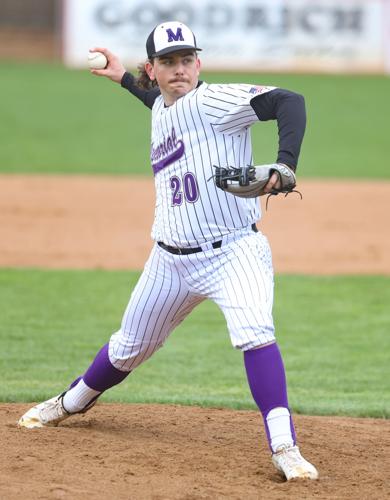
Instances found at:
x=146 y=96
x=116 y=72
x=288 y=109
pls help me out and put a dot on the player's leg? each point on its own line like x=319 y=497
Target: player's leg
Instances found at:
x=265 y=364
x=266 y=377
x=246 y=299
x=159 y=302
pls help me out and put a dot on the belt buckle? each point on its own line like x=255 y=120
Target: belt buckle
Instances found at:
x=208 y=245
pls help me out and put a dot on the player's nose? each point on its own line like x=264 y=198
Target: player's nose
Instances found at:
x=179 y=69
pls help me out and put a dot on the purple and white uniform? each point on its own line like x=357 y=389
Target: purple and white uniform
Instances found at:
x=229 y=262
x=209 y=126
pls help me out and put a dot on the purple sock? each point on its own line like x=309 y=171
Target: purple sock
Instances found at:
x=267 y=381
x=102 y=375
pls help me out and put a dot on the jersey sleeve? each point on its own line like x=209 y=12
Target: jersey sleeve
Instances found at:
x=228 y=106
x=288 y=109
x=146 y=96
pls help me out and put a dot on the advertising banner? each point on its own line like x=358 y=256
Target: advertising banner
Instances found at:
x=279 y=35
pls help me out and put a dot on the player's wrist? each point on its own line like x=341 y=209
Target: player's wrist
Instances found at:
x=118 y=76
x=127 y=79
x=291 y=167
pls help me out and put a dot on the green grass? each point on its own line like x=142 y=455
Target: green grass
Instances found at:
x=333 y=333
x=60 y=121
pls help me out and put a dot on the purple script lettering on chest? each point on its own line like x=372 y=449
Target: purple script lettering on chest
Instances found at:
x=168 y=151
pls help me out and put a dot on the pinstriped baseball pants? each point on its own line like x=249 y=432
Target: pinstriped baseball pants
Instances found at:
x=238 y=277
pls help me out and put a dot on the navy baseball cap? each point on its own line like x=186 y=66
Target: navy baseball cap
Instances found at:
x=170 y=37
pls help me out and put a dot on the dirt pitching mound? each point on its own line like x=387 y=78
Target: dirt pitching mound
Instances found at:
x=128 y=451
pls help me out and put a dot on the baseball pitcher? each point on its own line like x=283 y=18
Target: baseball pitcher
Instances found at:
x=207 y=245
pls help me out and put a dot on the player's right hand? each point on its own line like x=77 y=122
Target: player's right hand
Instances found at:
x=114 y=70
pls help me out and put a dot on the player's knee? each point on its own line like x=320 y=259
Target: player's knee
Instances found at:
x=127 y=354
x=253 y=338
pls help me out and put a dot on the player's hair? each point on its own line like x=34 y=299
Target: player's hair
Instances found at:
x=143 y=81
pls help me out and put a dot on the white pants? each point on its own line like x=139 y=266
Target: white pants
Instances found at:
x=238 y=277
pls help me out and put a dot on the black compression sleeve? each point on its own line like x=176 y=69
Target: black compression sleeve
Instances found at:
x=146 y=96
x=288 y=108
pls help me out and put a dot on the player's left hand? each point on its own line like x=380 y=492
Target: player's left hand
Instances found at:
x=274 y=184
x=253 y=181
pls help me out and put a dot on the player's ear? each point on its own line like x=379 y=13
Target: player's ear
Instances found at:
x=198 y=65
x=149 y=68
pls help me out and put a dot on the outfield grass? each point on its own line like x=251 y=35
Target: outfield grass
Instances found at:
x=56 y=120
x=333 y=332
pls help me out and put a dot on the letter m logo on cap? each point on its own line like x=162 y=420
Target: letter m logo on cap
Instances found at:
x=175 y=38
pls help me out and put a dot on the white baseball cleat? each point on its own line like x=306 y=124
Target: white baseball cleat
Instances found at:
x=289 y=461
x=48 y=414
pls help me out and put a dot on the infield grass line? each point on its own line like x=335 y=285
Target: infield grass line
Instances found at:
x=332 y=331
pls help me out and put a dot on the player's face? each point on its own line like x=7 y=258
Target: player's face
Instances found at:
x=176 y=74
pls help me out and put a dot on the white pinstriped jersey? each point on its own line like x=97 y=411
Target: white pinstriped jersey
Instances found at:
x=208 y=126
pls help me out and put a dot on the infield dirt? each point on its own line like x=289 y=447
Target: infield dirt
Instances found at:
x=104 y=222
x=172 y=452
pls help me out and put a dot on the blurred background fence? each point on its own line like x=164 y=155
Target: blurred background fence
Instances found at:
x=30 y=29
x=349 y=36
x=47 y=107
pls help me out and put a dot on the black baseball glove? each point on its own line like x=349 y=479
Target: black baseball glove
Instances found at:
x=249 y=182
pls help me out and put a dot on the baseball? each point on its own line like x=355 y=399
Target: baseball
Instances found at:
x=97 y=60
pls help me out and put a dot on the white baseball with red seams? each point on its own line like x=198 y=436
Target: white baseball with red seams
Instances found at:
x=97 y=60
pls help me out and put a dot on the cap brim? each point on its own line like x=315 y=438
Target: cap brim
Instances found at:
x=176 y=48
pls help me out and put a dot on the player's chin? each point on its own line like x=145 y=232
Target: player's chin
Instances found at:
x=180 y=89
